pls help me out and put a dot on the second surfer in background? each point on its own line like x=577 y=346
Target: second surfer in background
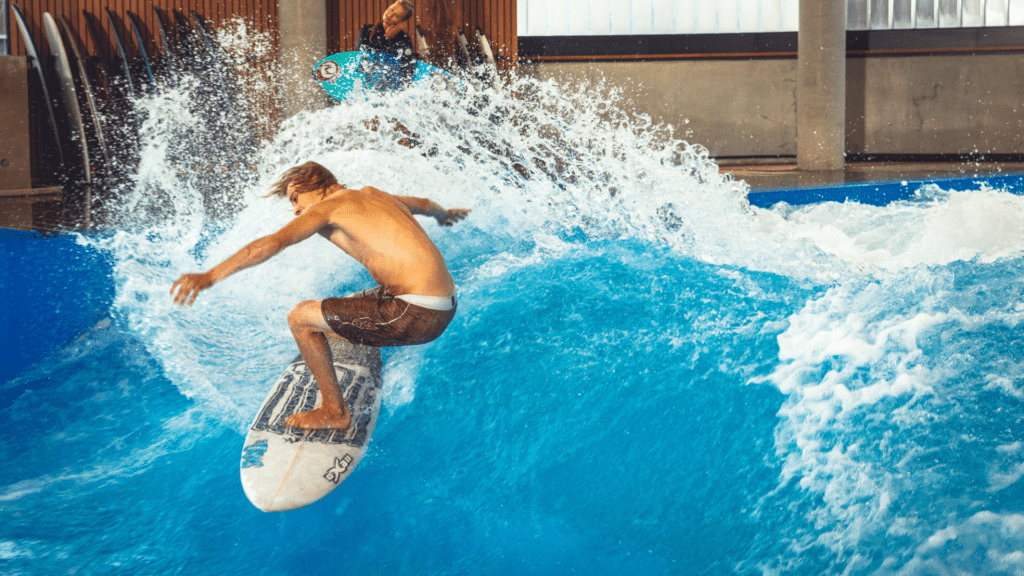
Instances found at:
x=413 y=304
x=387 y=36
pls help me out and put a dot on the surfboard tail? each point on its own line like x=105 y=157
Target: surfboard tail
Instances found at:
x=170 y=62
x=136 y=27
x=277 y=478
x=95 y=119
x=115 y=34
x=488 y=56
x=69 y=94
x=422 y=47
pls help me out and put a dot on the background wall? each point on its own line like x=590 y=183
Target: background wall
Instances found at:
x=261 y=14
x=734 y=107
x=896 y=105
x=958 y=91
x=924 y=77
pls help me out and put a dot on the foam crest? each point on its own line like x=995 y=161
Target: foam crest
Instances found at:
x=938 y=227
x=985 y=543
x=889 y=390
x=552 y=159
x=542 y=165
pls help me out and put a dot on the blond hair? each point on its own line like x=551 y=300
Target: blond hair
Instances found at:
x=308 y=177
x=409 y=9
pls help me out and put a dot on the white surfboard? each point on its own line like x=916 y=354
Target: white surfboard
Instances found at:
x=284 y=468
x=67 y=83
x=492 y=64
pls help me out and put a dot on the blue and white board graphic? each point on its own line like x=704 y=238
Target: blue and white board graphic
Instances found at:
x=284 y=468
x=346 y=72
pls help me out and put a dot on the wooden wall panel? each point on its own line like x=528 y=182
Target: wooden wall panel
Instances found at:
x=497 y=18
x=260 y=15
x=351 y=14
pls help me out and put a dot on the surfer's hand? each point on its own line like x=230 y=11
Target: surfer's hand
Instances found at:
x=449 y=217
x=188 y=287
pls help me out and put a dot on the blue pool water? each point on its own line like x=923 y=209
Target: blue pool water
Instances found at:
x=646 y=375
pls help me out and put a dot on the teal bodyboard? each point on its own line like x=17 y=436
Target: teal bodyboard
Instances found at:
x=344 y=74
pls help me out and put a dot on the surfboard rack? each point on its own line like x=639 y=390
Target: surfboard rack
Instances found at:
x=83 y=86
x=85 y=122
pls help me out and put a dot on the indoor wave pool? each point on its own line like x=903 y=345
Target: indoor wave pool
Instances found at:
x=650 y=372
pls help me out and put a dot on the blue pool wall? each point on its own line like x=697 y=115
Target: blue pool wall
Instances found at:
x=53 y=288
x=879 y=192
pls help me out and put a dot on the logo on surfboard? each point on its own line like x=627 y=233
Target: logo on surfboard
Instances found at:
x=337 y=472
x=252 y=455
x=328 y=70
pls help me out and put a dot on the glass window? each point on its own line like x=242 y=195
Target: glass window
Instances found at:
x=642 y=17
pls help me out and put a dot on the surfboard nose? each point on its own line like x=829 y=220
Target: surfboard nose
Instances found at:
x=297 y=482
x=267 y=475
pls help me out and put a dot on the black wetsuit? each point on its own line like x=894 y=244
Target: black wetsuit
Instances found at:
x=372 y=39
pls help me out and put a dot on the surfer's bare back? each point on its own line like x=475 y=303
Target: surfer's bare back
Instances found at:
x=415 y=299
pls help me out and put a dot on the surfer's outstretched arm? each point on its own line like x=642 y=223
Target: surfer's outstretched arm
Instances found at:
x=427 y=207
x=256 y=252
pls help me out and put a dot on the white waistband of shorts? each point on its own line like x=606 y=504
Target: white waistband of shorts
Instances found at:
x=442 y=303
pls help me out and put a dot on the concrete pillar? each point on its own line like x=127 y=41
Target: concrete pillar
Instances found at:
x=15 y=167
x=302 y=25
x=821 y=85
x=20 y=204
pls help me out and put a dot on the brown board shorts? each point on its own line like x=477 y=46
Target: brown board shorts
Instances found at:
x=376 y=318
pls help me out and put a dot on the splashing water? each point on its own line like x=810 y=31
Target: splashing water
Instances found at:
x=646 y=374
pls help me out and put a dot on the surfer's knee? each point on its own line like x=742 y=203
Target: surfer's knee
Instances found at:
x=305 y=314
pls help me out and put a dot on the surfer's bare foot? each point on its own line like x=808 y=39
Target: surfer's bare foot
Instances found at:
x=320 y=418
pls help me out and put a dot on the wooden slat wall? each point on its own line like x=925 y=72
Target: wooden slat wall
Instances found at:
x=344 y=17
x=261 y=15
x=497 y=18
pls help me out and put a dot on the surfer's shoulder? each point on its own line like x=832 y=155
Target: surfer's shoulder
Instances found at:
x=364 y=200
x=340 y=196
x=346 y=203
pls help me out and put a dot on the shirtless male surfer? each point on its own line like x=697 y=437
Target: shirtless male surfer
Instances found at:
x=413 y=304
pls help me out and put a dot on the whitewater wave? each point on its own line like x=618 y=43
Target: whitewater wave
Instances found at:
x=803 y=390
